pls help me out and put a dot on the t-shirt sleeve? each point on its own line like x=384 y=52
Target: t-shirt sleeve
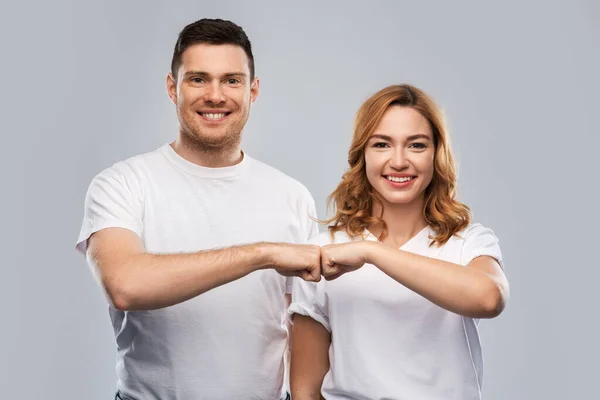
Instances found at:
x=289 y=284
x=308 y=299
x=311 y=226
x=309 y=230
x=480 y=241
x=111 y=202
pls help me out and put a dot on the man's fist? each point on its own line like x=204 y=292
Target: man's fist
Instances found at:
x=303 y=260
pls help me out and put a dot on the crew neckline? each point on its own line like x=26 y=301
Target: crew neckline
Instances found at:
x=201 y=171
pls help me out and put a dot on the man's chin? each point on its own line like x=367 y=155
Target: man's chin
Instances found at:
x=215 y=140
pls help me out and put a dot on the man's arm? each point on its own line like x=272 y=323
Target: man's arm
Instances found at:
x=136 y=280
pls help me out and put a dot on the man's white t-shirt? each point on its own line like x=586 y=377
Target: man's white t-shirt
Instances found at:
x=388 y=342
x=230 y=342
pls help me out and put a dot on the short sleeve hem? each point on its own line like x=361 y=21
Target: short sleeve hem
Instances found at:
x=82 y=242
x=298 y=308
x=480 y=241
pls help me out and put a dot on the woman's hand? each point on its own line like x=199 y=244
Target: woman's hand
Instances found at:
x=337 y=259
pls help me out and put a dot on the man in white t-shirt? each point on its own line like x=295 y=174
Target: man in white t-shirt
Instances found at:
x=195 y=244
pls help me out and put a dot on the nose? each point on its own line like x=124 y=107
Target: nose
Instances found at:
x=214 y=94
x=398 y=159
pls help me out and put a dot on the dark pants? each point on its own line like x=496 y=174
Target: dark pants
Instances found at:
x=119 y=396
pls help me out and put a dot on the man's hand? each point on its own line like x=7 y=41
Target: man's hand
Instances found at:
x=303 y=260
x=337 y=259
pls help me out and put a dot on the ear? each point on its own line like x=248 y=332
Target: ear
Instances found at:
x=254 y=89
x=172 y=87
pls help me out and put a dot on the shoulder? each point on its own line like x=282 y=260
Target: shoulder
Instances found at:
x=474 y=232
x=276 y=178
x=477 y=240
x=128 y=171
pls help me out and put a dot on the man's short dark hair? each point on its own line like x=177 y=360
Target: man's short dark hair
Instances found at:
x=211 y=31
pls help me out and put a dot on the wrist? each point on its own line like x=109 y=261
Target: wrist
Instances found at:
x=369 y=251
x=264 y=255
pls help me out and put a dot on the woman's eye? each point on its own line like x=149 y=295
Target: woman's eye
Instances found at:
x=380 y=145
x=418 y=145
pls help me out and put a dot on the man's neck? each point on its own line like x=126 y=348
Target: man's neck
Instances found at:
x=210 y=157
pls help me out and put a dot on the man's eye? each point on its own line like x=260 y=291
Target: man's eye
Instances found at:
x=233 y=81
x=197 y=80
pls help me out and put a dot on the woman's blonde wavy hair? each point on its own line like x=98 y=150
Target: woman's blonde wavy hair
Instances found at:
x=354 y=197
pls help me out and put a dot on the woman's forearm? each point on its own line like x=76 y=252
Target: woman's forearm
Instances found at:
x=463 y=290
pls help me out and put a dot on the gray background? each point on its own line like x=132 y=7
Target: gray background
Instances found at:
x=83 y=87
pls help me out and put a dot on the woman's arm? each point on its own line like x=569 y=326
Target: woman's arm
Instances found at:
x=310 y=358
x=479 y=290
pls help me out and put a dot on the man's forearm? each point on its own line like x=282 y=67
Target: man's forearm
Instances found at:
x=150 y=281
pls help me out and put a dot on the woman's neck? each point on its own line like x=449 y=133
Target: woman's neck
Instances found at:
x=403 y=221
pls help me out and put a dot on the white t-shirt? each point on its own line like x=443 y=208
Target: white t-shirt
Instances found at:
x=388 y=342
x=230 y=342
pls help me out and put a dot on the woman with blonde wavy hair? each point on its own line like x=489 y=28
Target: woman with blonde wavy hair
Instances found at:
x=407 y=274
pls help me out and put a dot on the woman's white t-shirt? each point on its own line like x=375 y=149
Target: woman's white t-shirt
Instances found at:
x=388 y=342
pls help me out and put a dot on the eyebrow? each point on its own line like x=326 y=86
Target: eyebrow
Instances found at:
x=412 y=137
x=418 y=136
x=206 y=74
x=383 y=137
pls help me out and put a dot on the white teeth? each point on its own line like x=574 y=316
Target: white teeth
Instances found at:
x=395 y=179
x=213 y=116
